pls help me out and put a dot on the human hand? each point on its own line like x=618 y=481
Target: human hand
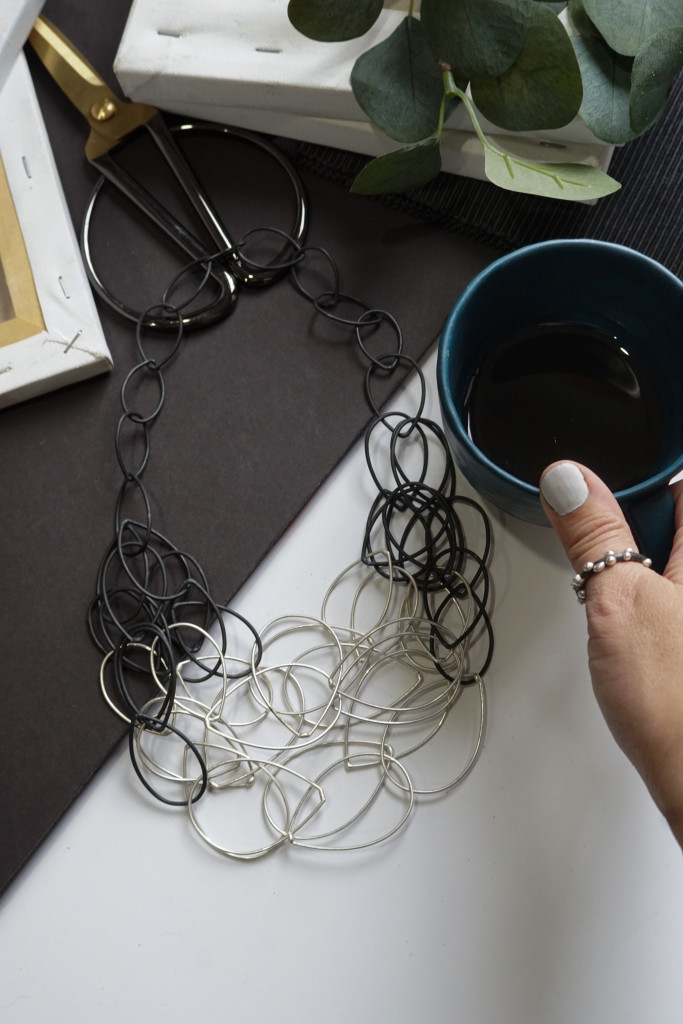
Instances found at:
x=635 y=630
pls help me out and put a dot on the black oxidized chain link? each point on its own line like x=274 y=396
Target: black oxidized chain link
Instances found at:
x=147 y=588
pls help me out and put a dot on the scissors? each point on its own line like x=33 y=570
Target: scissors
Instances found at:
x=112 y=121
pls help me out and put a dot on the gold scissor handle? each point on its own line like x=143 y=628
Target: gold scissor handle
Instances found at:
x=110 y=118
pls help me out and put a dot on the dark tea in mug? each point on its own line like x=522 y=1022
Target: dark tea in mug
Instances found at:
x=569 y=349
x=570 y=391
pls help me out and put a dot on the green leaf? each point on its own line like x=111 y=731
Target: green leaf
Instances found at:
x=558 y=181
x=655 y=66
x=580 y=20
x=400 y=171
x=561 y=181
x=606 y=90
x=476 y=37
x=399 y=85
x=543 y=87
x=626 y=24
x=332 y=21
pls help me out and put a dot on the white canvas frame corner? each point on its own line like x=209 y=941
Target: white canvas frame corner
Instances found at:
x=71 y=345
x=16 y=19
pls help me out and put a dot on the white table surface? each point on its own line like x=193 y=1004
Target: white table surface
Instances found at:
x=546 y=889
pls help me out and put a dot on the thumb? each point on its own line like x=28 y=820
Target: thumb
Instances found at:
x=584 y=513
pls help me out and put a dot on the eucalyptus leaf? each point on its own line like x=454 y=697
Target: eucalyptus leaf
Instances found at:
x=332 y=21
x=580 y=20
x=399 y=85
x=400 y=171
x=561 y=181
x=476 y=37
x=656 y=65
x=606 y=90
x=626 y=24
x=543 y=87
x=558 y=181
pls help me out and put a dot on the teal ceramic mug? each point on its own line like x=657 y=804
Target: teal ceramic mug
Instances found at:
x=569 y=349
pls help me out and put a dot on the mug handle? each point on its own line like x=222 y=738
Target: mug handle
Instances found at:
x=651 y=519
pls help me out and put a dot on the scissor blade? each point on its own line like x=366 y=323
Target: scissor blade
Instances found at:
x=110 y=118
x=69 y=68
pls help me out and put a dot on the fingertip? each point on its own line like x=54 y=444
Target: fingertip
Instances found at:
x=583 y=512
x=564 y=487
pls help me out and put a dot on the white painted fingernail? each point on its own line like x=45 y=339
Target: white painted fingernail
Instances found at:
x=564 y=488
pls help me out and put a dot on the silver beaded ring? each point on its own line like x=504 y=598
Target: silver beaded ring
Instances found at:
x=608 y=559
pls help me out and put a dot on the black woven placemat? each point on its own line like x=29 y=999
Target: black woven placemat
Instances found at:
x=645 y=214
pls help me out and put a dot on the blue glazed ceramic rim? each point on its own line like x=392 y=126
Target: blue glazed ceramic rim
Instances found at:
x=448 y=406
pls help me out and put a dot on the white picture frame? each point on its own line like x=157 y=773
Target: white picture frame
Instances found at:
x=50 y=331
x=16 y=20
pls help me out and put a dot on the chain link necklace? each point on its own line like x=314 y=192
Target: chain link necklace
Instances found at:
x=215 y=706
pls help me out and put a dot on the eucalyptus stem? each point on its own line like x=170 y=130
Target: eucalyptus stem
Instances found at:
x=451 y=91
x=442 y=114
